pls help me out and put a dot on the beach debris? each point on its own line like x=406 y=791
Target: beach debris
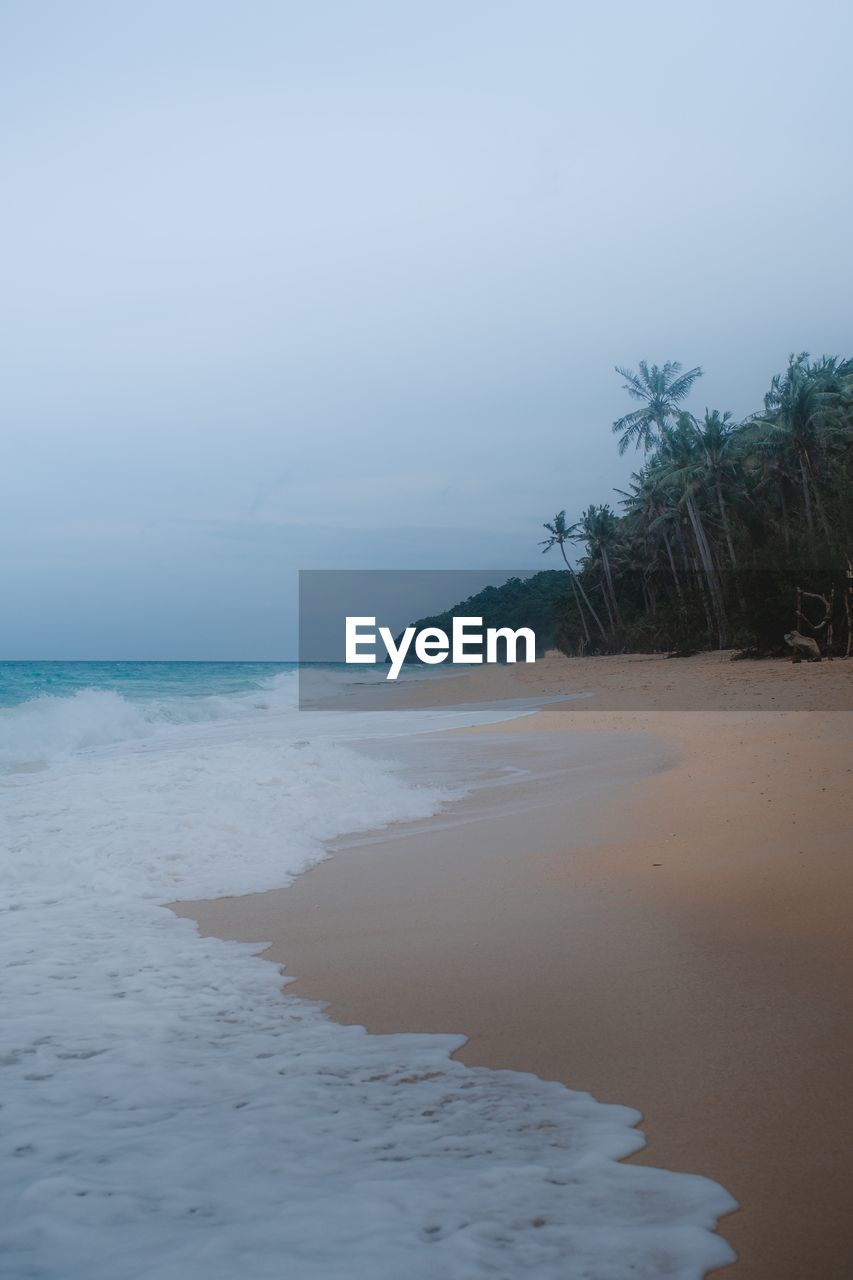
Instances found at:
x=824 y=624
x=803 y=646
x=752 y=651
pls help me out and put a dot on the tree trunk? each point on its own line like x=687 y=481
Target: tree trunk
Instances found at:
x=580 y=606
x=682 y=542
x=810 y=483
x=675 y=577
x=707 y=559
x=724 y=516
x=576 y=580
x=807 y=497
x=786 y=528
x=702 y=589
x=605 y=560
x=651 y=593
x=727 y=530
x=603 y=585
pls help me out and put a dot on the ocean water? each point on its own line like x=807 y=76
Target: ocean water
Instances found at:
x=166 y=1113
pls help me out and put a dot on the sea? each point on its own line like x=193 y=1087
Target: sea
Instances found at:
x=167 y=1111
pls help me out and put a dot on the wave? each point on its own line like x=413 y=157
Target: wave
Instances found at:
x=51 y=725
x=172 y=1114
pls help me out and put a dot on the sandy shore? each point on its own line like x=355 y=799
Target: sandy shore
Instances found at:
x=685 y=947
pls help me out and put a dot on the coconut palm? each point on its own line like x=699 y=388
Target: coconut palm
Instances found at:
x=559 y=535
x=802 y=410
x=722 y=459
x=660 y=392
x=683 y=465
x=651 y=508
x=726 y=519
x=598 y=528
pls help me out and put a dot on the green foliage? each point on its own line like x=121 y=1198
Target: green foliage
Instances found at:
x=720 y=527
x=723 y=522
x=660 y=392
x=520 y=602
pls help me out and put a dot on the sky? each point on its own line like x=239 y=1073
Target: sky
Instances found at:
x=343 y=284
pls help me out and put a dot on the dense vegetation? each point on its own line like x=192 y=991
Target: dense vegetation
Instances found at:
x=537 y=602
x=731 y=533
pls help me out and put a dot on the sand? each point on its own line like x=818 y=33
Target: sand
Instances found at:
x=682 y=945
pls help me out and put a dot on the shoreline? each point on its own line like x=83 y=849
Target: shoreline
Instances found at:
x=686 y=951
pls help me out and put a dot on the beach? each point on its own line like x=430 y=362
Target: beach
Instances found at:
x=360 y=382
x=169 y=1111
x=678 y=941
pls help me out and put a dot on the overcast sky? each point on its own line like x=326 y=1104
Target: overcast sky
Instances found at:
x=343 y=284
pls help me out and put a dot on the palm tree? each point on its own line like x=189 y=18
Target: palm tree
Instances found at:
x=660 y=392
x=713 y=505
x=722 y=462
x=598 y=527
x=652 y=510
x=683 y=465
x=801 y=411
x=559 y=534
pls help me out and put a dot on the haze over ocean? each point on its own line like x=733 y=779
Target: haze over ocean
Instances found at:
x=343 y=285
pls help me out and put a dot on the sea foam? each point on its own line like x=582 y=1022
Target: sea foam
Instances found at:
x=168 y=1113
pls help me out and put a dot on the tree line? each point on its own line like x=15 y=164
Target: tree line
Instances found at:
x=730 y=533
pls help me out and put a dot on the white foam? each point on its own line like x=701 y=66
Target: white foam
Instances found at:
x=48 y=726
x=167 y=1114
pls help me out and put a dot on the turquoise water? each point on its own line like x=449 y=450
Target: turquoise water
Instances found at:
x=171 y=1112
x=21 y=681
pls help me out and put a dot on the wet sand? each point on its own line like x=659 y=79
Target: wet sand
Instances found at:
x=680 y=943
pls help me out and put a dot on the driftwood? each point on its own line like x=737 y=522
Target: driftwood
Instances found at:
x=803 y=646
x=826 y=620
